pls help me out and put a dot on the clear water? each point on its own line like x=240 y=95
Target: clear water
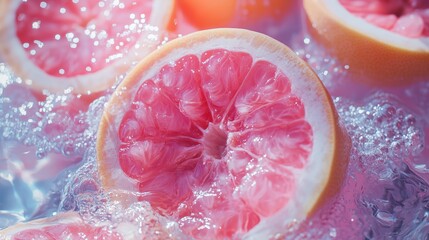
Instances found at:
x=48 y=163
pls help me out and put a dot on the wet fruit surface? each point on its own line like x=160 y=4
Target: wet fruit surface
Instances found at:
x=49 y=164
x=217 y=139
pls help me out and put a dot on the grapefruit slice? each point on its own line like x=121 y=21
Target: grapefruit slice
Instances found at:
x=82 y=44
x=226 y=131
x=385 y=42
x=70 y=225
x=67 y=225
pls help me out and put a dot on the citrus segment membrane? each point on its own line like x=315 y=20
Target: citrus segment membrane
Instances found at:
x=216 y=130
x=408 y=18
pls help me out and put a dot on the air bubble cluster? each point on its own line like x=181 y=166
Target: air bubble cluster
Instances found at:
x=59 y=123
x=383 y=196
x=83 y=193
x=384 y=134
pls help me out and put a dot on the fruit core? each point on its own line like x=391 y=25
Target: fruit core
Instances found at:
x=215 y=140
x=70 y=38
x=409 y=18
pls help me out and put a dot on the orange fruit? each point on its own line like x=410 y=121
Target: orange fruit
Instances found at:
x=82 y=44
x=208 y=14
x=383 y=42
x=204 y=14
x=225 y=131
x=70 y=225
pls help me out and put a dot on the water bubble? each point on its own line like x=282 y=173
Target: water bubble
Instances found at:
x=36 y=24
x=382 y=131
x=43 y=4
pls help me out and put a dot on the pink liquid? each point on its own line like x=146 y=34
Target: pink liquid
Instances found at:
x=48 y=164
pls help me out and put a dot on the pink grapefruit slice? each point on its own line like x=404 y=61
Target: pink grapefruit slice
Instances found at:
x=80 y=44
x=225 y=131
x=385 y=42
x=70 y=225
x=67 y=225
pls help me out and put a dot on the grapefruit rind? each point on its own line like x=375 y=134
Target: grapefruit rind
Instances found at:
x=376 y=55
x=12 y=52
x=319 y=177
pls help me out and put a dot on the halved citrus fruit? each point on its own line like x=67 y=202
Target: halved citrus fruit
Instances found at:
x=79 y=44
x=67 y=225
x=226 y=131
x=205 y=14
x=385 y=42
x=70 y=225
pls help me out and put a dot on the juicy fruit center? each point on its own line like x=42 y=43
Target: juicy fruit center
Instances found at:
x=70 y=38
x=214 y=141
x=409 y=18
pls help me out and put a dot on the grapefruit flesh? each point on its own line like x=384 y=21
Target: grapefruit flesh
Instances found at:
x=218 y=131
x=409 y=18
x=53 y=32
x=82 y=44
x=182 y=139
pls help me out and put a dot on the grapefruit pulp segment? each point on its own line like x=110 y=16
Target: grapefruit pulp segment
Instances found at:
x=244 y=155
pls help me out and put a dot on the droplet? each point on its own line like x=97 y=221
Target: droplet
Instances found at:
x=38 y=43
x=43 y=4
x=306 y=40
x=36 y=24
